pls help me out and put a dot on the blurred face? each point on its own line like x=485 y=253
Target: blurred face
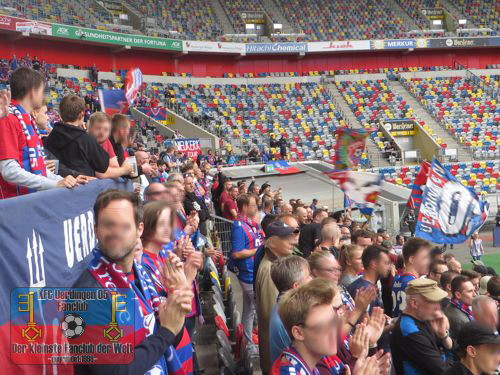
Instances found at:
x=301 y=215
x=100 y=130
x=355 y=263
x=467 y=294
x=400 y=240
x=475 y=282
x=319 y=331
x=37 y=96
x=486 y=357
x=383 y=265
x=379 y=239
x=309 y=214
x=228 y=185
x=421 y=260
x=157 y=192
x=252 y=207
x=282 y=246
x=163 y=232
x=41 y=117
x=306 y=276
x=286 y=209
x=436 y=273
x=330 y=269
x=138 y=250
x=233 y=192
x=363 y=242
x=455 y=266
x=189 y=184
x=319 y=217
x=142 y=157
x=291 y=222
x=124 y=134
x=426 y=309
x=116 y=230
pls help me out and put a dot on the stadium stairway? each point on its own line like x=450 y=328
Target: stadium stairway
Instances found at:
x=409 y=22
x=222 y=16
x=421 y=113
x=374 y=153
x=450 y=7
x=277 y=15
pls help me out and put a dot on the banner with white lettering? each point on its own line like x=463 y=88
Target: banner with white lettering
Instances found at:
x=450 y=212
x=47 y=238
x=191 y=147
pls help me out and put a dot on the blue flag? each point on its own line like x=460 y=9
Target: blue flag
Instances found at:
x=450 y=212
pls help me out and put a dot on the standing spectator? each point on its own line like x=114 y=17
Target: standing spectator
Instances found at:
x=314 y=205
x=100 y=128
x=229 y=208
x=194 y=203
x=352 y=265
x=120 y=131
x=283 y=145
x=287 y=273
x=22 y=167
x=245 y=240
x=410 y=221
x=14 y=63
x=35 y=63
x=478 y=351
x=446 y=279
x=330 y=239
x=476 y=247
x=398 y=247
x=301 y=214
x=497 y=217
x=454 y=265
x=421 y=332
x=362 y=238
x=416 y=259
x=459 y=311
x=310 y=233
x=436 y=270
x=280 y=239
x=485 y=311
x=493 y=288
x=377 y=265
x=76 y=148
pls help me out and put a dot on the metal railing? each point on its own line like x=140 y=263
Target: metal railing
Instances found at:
x=221 y=234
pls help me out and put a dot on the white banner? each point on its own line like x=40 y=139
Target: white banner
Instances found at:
x=217 y=47
x=346 y=45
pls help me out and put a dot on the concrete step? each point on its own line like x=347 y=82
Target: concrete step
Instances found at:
x=220 y=13
x=422 y=114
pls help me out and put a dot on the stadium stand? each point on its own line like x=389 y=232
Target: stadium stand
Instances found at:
x=466 y=107
x=482 y=13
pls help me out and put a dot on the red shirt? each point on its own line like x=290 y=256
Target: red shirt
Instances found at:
x=12 y=146
x=108 y=147
x=229 y=204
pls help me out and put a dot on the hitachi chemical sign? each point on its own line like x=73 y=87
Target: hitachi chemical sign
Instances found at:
x=276 y=47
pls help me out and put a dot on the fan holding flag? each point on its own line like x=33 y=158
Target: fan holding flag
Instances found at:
x=133 y=83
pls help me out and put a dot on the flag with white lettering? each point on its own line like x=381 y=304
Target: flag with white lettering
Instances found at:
x=450 y=212
x=361 y=188
x=191 y=147
x=415 y=198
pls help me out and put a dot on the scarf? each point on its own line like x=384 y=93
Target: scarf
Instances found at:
x=467 y=310
x=110 y=276
x=32 y=154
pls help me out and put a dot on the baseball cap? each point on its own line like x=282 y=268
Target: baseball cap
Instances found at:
x=483 y=284
x=279 y=229
x=427 y=288
x=474 y=334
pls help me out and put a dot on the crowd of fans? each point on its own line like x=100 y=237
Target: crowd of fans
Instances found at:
x=322 y=293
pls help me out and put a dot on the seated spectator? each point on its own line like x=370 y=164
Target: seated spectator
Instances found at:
x=436 y=270
x=352 y=265
x=287 y=273
x=478 y=351
x=421 y=332
x=70 y=142
x=485 y=312
x=22 y=167
x=459 y=311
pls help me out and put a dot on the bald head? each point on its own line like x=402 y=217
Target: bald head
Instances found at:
x=142 y=157
x=485 y=311
x=301 y=215
x=455 y=266
x=286 y=208
x=330 y=233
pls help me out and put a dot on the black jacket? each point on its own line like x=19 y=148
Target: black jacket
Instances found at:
x=193 y=203
x=77 y=149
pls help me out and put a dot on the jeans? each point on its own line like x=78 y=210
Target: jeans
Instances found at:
x=248 y=310
x=476 y=257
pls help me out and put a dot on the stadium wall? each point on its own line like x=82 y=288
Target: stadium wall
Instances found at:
x=202 y=65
